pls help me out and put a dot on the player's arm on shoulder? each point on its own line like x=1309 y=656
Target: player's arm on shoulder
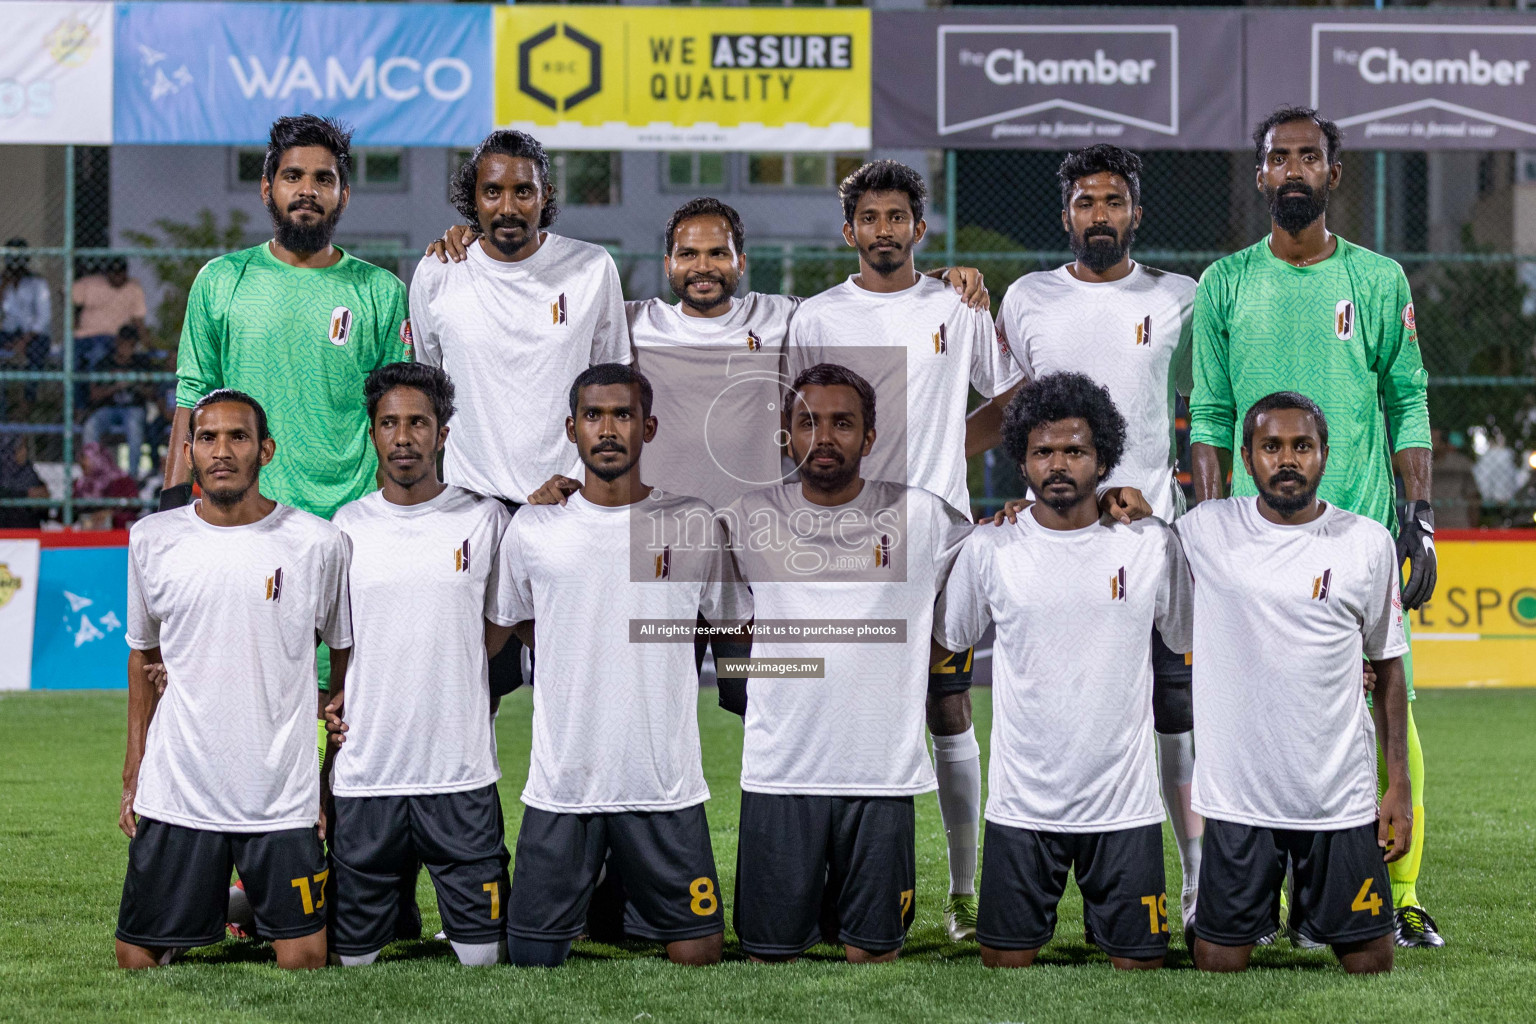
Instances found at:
x=968 y=282
x=1175 y=600
x=511 y=606
x=610 y=336
x=1212 y=407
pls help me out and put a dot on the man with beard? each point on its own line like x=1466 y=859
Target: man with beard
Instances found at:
x=1305 y=310
x=1126 y=326
x=830 y=764
x=521 y=316
x=416 y=778
x=230 y=594
x=298 y=323
x=615 y=772
x=1073 y=773
x=1290 y=592
x=922 y=349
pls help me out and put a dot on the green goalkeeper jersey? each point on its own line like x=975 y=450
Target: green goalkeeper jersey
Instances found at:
x=1340 y=332
x=301 y=341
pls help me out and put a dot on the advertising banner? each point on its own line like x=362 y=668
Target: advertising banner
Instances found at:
x=1004 y=78
x=399 y=74
x=56 y=73
x=1480 y=627
x=82 y=612
x=663 y=78
x=1404 y=80
x=18 y=607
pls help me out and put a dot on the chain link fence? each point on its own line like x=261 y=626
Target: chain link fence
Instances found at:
x=87 y=385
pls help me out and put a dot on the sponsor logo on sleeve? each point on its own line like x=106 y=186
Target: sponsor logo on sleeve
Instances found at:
x=1002 y=341
x=341 y=325
x=1344 y=319
x=406 y=337
x=1409 y=324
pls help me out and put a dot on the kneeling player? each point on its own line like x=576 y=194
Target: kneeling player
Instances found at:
x=416 y=779
x=830 y=764
x=229 y=593
x=615 y=766
x=1073 y=775
x=1289 y=592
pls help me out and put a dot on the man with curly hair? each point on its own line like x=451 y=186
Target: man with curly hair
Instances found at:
x=1072 y=780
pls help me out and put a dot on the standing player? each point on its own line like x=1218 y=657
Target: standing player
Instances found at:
x=416 y=779
x=229 y=594
x=830 y=764
x=1290 y=591
x=1305 y=310
x=1072 y=781
x=525 y=313
x=921 y=348
x=1127 y=326
x=615 y=767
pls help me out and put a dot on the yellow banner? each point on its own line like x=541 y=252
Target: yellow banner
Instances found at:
x=684 y=77
x=1480 y=628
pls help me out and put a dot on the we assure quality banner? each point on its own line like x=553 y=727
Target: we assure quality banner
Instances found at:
x=713 y=79
x=56 y=73
x=399 y=74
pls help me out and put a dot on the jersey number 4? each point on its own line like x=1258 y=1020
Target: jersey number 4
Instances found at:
x=1367 y=900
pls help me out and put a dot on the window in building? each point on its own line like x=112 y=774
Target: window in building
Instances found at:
x=372 y=168
x=800 y=170
x=686 y=170
x=582 y=178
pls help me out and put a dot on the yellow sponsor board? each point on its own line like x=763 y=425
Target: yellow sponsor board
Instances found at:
x=1480 y=627
x=687 y=78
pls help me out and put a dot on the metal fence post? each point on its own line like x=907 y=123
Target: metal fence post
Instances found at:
x=68 y=511
x=949 y=208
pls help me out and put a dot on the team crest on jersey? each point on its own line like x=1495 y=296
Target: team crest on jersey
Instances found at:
x=341 y=325
x=406 y=337
x=1144 y=331
x=883 y=552
x=940 y=341
x=461 y=557
x=1344 y=319
x=754 y=343
x=1321 y=585
x=274 y=589
x=664 y=563
x=557 y=310
x=1117 y=585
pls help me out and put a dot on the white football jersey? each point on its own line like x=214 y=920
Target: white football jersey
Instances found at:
x=1133 y=337
x=615 y=715
x=234 y=611
x=858 y=730
x=514 y=336
x=1071 y=666
x=921 y=349
x=1283 y=615
x=718 y=384
x=418 y=699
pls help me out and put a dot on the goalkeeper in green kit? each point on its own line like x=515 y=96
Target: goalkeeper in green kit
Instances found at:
x=299 y=324
x=1305 y=310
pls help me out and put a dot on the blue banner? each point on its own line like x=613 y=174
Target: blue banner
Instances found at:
x=82 y=611
x=399 y=74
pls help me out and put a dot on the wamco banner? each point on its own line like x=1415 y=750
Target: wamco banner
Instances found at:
x=715 y=78
x=56 y=73
x=1405 y=80
x=399 y=74
x=1025 y=78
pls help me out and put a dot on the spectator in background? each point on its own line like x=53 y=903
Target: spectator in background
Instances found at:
x=118 y=406
x=1458 y=504
x=100 y=477
x=26 y=317
x=105 y=303
x=18 y=479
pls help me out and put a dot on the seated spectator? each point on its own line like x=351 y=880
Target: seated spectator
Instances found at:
x=26 y=318
x=18 y=479
x=118 y=406
x=104 y=305
x=100 y=477
x=1458 y=505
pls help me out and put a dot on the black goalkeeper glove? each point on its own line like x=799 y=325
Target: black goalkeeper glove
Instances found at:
x=1416 y=543
x=175 y=497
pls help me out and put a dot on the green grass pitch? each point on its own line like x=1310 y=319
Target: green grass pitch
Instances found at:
x=62 y=858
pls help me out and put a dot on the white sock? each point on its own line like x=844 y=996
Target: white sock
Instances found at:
x=957 y=763
x=359 y=961
x=171 y=955
x=479 y=954
x=239 y=911
x=1176 y=764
